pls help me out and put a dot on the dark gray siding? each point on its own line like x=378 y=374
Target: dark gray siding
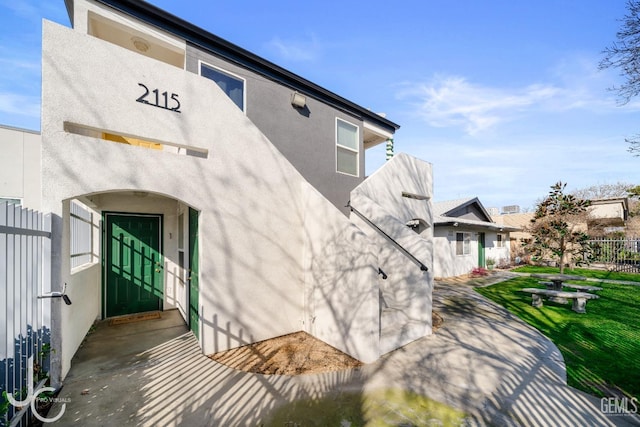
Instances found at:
x=471 y=211
x=305 y=137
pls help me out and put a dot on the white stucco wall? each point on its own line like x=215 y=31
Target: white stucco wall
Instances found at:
x=502 y=255
x=341 y=295
x=448 y=264
x=20 y=166
x=406 y=293
x=255 y=226
x=610 y=210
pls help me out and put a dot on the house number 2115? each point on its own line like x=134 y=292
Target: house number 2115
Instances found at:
x=161 y=100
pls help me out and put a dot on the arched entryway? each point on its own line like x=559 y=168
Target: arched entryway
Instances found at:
x=145 y=253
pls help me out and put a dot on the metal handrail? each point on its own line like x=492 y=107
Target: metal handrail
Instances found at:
x=389 y=238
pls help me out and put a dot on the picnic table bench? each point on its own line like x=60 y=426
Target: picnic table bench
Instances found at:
x=583 y=288
x=579 y=298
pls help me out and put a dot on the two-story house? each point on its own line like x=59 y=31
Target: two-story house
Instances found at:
x=184 y=172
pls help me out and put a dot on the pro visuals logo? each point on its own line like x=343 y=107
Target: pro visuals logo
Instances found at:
x=33 y=397
x=619 y=405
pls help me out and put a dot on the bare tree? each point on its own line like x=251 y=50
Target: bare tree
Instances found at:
x=603 y=191
x=625 y=56
x=557 y=231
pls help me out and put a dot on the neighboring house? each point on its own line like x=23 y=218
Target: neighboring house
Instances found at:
x=222 y=199
x=20 y=167
x=604 y=216
x=608 y=215
x=465 y=236
x=518 y=221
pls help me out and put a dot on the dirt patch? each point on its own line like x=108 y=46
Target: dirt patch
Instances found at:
x=436 y=321
x=292 y=354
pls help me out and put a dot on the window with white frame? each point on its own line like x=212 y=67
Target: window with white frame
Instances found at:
x=11 y=201
x=347 y=147
x=500 y=240
x=81 y=234
x=463 y=243
x=231 y=85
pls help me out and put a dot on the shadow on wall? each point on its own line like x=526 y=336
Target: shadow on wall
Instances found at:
x=341 y=287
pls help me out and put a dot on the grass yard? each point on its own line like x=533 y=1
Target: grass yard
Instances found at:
x=601 y=348
x=375 y=409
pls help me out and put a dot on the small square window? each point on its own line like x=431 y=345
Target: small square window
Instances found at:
x=231 y=85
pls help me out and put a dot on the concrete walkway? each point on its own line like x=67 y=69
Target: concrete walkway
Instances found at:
x=483 y=361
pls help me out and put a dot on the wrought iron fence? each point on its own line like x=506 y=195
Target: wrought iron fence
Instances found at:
x=25 y=239
x=617 y=254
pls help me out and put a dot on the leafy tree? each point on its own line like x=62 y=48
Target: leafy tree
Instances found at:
x=556 y=229
x=633 y=192
x=625 y=56
x=633 y=225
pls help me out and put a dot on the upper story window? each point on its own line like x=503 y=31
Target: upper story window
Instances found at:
x=231 y=85
x=347 y=148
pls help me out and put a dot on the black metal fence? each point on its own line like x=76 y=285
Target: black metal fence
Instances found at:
x=617 y=254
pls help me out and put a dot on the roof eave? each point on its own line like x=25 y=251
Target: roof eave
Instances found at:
x=206 y=40
x=490 y=226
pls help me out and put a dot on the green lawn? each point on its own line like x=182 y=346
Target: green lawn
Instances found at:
x=379 y=408
x=601 y=348
x=595 y=274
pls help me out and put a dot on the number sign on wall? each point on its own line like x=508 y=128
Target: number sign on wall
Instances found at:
x=161 y=100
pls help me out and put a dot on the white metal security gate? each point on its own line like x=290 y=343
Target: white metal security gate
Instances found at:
x=25 y=248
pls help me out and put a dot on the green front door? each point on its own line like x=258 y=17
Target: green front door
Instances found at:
x=134 y=264
x=194 y=318
x=481 y=246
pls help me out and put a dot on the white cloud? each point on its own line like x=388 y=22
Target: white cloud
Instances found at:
x=34 y=10
x=23 y=9
x=454 y=101
x=20 y=65
x=12 y=103
x=296 y=50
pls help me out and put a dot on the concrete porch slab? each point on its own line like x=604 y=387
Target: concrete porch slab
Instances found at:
x=482 y=360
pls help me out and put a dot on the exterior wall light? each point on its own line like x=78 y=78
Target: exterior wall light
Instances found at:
x=140 y=44
x=298 y=100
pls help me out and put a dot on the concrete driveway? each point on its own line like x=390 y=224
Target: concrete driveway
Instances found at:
x=483 y=360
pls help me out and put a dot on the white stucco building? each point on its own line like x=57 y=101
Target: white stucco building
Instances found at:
x=465 y=236
x=172 y=165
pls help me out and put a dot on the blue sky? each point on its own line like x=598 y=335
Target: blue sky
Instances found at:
x=503 y=97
